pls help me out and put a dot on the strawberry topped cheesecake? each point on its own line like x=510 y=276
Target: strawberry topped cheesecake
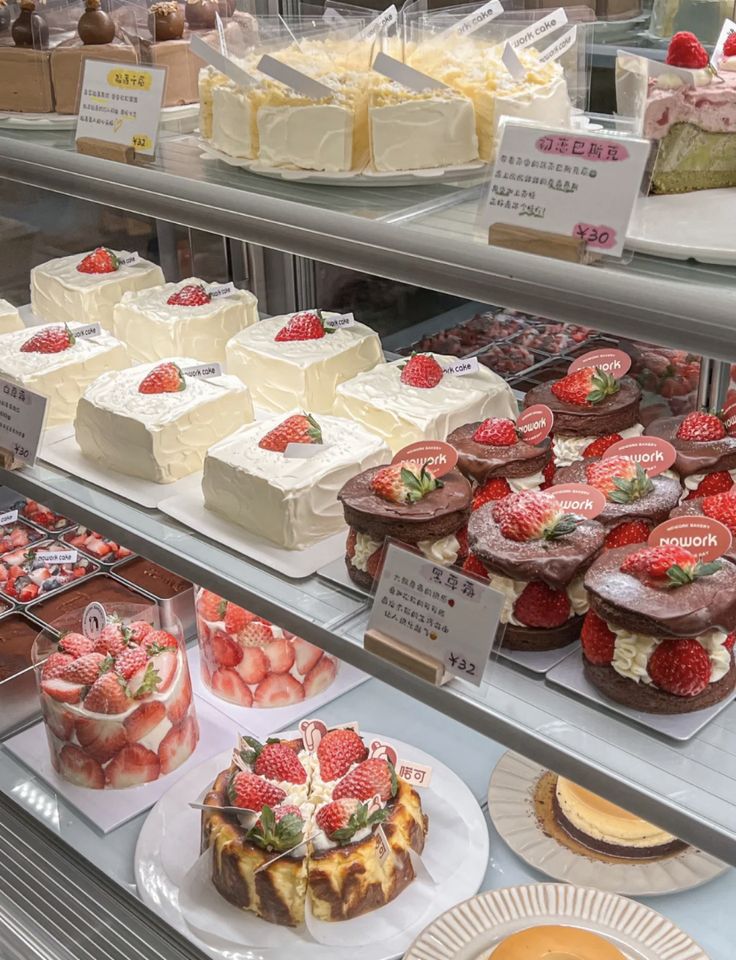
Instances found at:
x=536 y=555
x=635 y=502
x=188 y=319
x=84 y=288
x=406 y=503
x=706 y=454
x=659 y=633
x=321 y=809
x=592 y=411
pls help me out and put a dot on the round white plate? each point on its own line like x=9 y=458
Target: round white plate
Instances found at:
x=469 y=930
x=68 y=121
x=511 y=808
x=697 y=225
x=456 y=853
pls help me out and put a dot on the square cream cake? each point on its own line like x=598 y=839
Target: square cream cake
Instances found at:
x=61 y=377
x=233 y=122
x=158 y=436
x=61 y=294
x=290 y=501
x=285 y=374
x=9 y=317
x=401 y=414
x=153 y=329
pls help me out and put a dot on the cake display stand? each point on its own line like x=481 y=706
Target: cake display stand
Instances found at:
x=173 y=878
x=683 y=226
x=511 y=808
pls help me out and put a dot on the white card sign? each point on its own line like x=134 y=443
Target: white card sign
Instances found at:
x=22 y=415
x=539 y=30
x=121 y=103
x=340 y=320
x=380 y=23
x=572 y=184
x=301 y=82
x=405 y=75
x=461 y=368
x=222 y=63
x=475 y=20
x=53 y=557
x=436 y=610
x=555 y=50
x=223 y=290
x=10 y=516
x=203 y=371
x=87 y=332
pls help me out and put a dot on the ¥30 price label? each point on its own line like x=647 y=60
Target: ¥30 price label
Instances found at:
x=22 y=415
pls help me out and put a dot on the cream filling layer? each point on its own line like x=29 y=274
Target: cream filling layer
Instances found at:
x=531 y=482
x=632 y=652
x=568 y=449
x=444 y=550
x=695 y=479
x=512 y=590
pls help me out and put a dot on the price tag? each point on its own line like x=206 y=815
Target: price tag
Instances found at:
x=460 y=368
x=87 y=332
x=121 y=103
x=224 y=290
x=577 y=185
x=94 y=620
x=51 y=557
x=203 y=371
x=22 y=414
x=340 y=320
x=436 y=611
x=10 y=516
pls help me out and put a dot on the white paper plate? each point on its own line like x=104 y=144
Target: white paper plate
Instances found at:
x=680 y=226
x=511 y=808
x=68 y=121
x=469 y=930
x=456 y=853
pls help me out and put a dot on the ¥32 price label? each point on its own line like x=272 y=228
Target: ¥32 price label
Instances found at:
x=461 y=665
x=22 y=414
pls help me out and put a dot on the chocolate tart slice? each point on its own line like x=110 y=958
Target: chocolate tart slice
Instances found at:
x=482 y=461
x=612 y=415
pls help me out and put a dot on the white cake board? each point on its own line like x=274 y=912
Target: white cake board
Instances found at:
x=109 y=809
x=188 y=508
x=683 y=726
x=685 y=225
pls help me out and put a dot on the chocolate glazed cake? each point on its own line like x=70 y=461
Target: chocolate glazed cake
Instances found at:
x=721 y=507
x=612 y=415
x=482 y=461
x=694 y=456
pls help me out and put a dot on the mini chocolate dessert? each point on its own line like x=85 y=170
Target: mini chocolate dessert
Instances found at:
x=635 y=502
x=95 y=26
x=166 y=21
x=719 y=506
x=170 y=48
x=658 y=636
x=706 y=455
x=405 y=504
x=30 y=28
x=200 y=14
x=536 y=555
x=5 y=16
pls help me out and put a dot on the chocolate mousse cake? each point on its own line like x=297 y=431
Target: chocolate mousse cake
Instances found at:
x=635 y=503
x=169 y=47
x=658 y=635
x=407 y=503
x=536 y=555
x=719 y=506
x=25 y=65
x=706 y=454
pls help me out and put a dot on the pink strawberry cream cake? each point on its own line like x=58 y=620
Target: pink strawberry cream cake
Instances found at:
x=323 y=810
x=706 y=454
x=118 y=710
x=659 y=633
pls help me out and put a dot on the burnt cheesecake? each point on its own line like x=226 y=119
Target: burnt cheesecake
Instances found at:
x=407 y=503
x=658 y=635
x=536 y=555
x=706 y=454
x=719 y=506
x=635 y=503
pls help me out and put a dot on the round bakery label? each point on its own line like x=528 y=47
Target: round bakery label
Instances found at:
x=728 y=415
x=437 y=454
x=612 y=361
x=579 y=499
x=535 y=423
x=707 y=538
x=653 y=453
x=94 y=620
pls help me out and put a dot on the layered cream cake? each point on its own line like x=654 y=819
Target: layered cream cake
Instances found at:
x=9 y=317
x=62 y=293
x=153 y=422
x=402 y=407
x=232 y=121
x=50 y=360
x=182 y=319
x=299 y=360
x=290 y=501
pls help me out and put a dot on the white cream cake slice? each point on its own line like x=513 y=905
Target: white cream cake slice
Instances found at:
x=9 y=317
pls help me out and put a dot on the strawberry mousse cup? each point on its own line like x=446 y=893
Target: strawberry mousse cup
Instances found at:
x=253 y=663
x=706 y=454
x=118 y=709
x=536 y=555
x=659 y=633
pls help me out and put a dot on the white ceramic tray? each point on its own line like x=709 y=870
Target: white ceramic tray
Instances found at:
x=68 y=121
x=680 y=226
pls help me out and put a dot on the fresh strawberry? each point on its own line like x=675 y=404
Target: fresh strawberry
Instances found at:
x=532 y=515
x=165 y=665
x=101 y=739
x=178 y=745
x=257 y=634
x=101 y=260
x=62 y=690
x=76 y=645
x=225 y=650
x=54 y=665
x=730 y=641
x=631 y=531
x=369 y=778
x=252 y=792
x=139 y=630
x=375 y=560
x=59 y=720
x=211 y=607
x=496 y=432
x=685 y=50
x=236 y=618
x=180 y=698
x=107 y=695
x=308 y=325
x=597 y=640
x=49 y=340
x=144 y=719
x=274 y=760
x=599 y=446
x=494 y=489
x=227 y=684
x=680 y=667
x=721 y=506
x=253 y=665
x=667 y=566
x=159 y=640
x=701 y=427
x=473 y=565
x=540 y=606
x=338 y=750
x=549 y=474
x=729 y=47
x=131 y=660
x=164 y=378
x=589 y=385
x=134 y=765
x=84 y=670
x=320 y=677
x=279 y=829
x=306 y=655
x=399 y=484
x=278 y=690
x=301 y=428
x=112 y=639
x=192 y=295
x=144 y=681
x=620 y=479
x=280 y=655
x=342 y=819
x=718 y=482
x=77 y=767
x=421 y=370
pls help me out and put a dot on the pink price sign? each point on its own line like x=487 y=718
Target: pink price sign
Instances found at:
x=707 y=538
x=612 y=361
x=579 y=498
x=535 y=423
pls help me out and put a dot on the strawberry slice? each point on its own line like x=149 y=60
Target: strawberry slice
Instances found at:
x=165 y=665
x=227 y=684
x=278 y=690
x=225 y=650
x=101 y=739
x=133 y=766
x=178 y=745
x=180 y=699
x=306 y=655
x=146 y=718
x=62 y=690
x=79 y=768
x=320 y=677
x=254 y=665
x=280 y=656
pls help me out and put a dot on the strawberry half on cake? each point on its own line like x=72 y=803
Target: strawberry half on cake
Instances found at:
x=635 y=502
x=403 y=502
x=706 y=454
x=659 y=633
x=592 y=411
x=536 y=555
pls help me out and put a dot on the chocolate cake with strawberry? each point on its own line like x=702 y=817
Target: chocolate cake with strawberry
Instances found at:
x=406 y=503
x=659 y=634
x=536 y=555
x=706 y=454
x=719 y=506
x=635 y=502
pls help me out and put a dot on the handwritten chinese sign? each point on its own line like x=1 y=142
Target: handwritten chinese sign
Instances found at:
x=21 y=420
